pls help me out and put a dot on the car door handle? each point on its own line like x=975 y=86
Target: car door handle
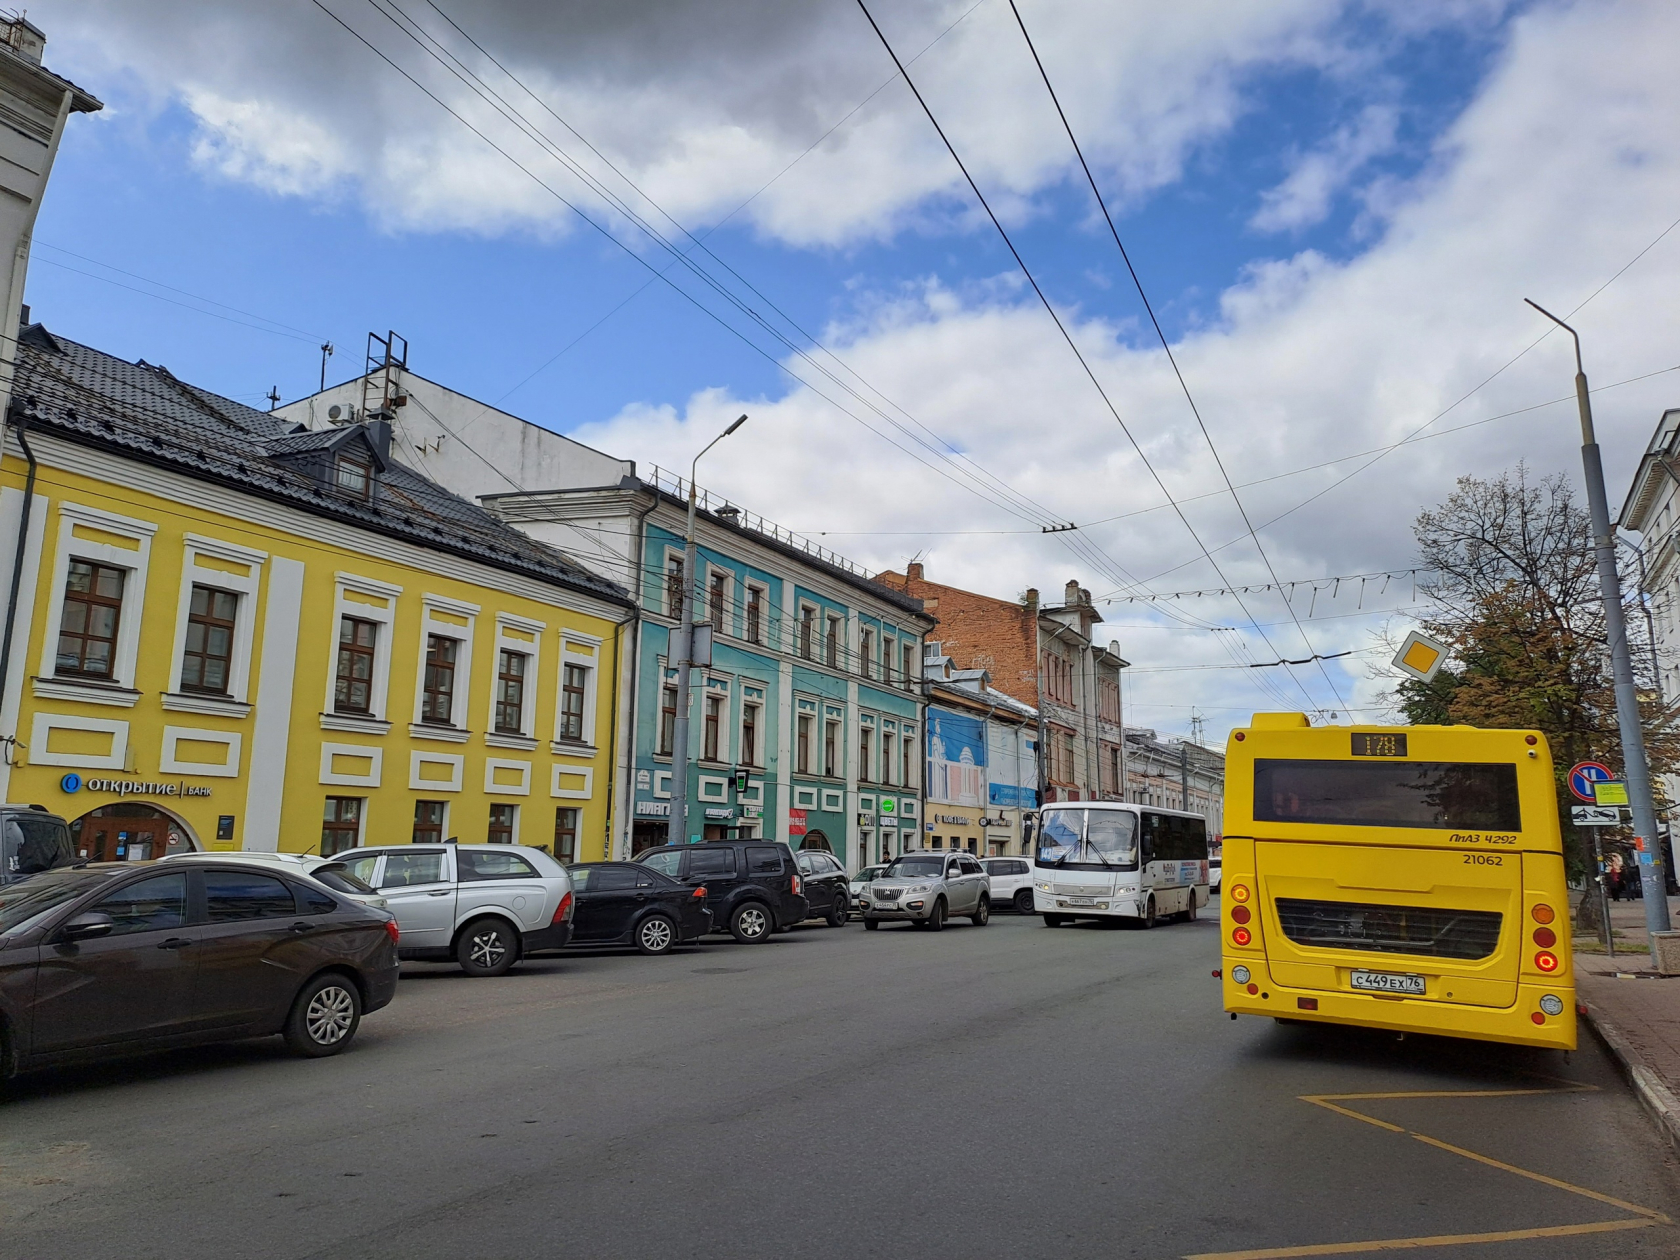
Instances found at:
x=300 y=928
x=442 y=892
x=175 y=942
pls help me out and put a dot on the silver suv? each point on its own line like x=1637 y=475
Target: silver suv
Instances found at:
x=927 y=887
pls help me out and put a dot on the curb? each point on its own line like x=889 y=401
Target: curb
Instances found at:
x=1653 y=1094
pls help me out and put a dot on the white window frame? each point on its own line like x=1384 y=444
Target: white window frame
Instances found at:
x=816 y=657
x=766 y=637
x=385 y=616
x=677 y=554
x=193 y=573
x=518 y=817
x=135 y=562
x=517 y=634
x=431 y=622
x=729 y=600
x=571 y=641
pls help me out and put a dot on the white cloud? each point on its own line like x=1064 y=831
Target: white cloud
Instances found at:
x=1313 y=359
x=1303 y=198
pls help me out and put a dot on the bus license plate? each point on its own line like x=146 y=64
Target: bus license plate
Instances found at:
x=1387 y=982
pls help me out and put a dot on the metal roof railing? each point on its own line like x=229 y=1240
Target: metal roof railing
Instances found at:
x=671 y=483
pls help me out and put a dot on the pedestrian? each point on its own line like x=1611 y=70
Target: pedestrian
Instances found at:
x=1614 y=875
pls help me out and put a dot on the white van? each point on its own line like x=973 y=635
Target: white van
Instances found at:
x=1113 y=860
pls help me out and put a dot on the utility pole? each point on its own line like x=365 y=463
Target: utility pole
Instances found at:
x=1184 y=775
x=326 y=353
x=1634 y=764
x=682 y=643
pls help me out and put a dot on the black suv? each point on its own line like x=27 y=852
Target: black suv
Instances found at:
x=753 y=887
x=827 y=886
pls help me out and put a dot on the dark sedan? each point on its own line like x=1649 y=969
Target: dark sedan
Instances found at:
x=626 y=903
x=120 y=958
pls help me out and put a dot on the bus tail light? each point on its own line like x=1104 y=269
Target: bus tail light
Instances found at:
x=1307 y=1004
x=1242 y=936
x=1543 y=913
x=1552 y=1004
x=1239 y=892
x=1538 y=1018
x=1546 y=961
x=1239 y=973
x=1544 y=937
x=1240 y=914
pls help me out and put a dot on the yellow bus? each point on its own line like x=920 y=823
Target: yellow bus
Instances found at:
x=1407 y=878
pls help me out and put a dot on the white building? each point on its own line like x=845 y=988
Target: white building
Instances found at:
x=1652 y=510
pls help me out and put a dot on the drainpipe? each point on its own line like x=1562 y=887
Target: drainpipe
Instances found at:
x=17 y=572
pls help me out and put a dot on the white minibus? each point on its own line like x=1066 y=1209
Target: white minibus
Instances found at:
x=1114 y=860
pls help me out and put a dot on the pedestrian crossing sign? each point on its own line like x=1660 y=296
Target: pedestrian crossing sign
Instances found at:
x=1420 y=656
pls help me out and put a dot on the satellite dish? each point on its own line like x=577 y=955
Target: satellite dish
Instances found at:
x=334 y=412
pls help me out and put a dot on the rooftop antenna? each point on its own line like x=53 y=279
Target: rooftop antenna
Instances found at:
x=326 y=353
x=1196 y=727
x=382 y=390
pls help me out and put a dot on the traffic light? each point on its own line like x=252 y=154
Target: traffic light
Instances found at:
x=740 y=779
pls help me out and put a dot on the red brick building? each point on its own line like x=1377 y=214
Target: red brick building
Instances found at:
x=1046 y=656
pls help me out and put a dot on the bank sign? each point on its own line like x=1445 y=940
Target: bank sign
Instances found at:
x=130 y=787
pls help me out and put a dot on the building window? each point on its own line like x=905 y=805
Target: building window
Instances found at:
x=428 y=822
x=667 y=721
x=755 y=615
x=1108 y=700
x=907 y=754
x=341 y=824
x=437 y=697
x=865 y=748
x=572 y=688
x=674 y=587
x=565 y=834
x=353 y=476
x=87 y=633
x=807 y=627
x=866 y=649
x=803 y=761
x=510 y=692
x=749 y=735
x=886 y=758
x=831 y=749
x=719 y=596
x=353 y=691
x=709 y=731
x=832 y=657
x=887 y=648
x=208 y=657
x=501 y=829
x=910 y=670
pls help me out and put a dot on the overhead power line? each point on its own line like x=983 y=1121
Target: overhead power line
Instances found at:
x=1060 y=327
x=1287 y=589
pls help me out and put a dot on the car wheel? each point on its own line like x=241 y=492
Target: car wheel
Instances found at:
x=1149 y=913
x=871 y=925
x=324 y=1017
x=1190 y=910
x=751 y=923
x=1024 y=901
x=839 y=912
x=487 y=947
x=982 y=913
x=1055 y=920
x=936 y=916
x=656 y=934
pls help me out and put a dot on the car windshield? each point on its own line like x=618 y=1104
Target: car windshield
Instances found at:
x=339 y=877
x=916 y=868
x=25 y=901
x=31 y=843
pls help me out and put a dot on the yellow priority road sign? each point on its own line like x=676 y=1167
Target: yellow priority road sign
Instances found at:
x=1420 y=656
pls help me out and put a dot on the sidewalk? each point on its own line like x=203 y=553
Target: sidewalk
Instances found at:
x=1637 y=1015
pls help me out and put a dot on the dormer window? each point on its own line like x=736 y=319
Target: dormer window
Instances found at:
x=352 y=476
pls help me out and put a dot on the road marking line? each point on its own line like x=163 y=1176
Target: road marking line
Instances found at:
x=1409 y=1244
x=1647 y=1216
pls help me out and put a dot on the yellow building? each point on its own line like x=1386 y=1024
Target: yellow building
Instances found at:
x=227 y=635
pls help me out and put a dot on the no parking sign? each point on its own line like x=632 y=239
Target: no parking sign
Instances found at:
x=1584 y=775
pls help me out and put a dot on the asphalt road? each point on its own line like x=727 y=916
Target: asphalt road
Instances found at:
x=1013 y=1091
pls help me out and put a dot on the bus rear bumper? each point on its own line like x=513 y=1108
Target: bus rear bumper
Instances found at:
x=1513 y=1025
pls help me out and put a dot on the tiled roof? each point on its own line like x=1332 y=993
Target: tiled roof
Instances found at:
x=146 y=413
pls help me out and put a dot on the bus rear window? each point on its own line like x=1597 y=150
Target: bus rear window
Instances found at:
x=1439 y=795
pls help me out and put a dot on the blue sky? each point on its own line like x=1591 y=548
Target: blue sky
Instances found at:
x=1336 y=209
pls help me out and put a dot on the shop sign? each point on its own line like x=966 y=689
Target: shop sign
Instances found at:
x=752 y=811
x=796 y=822
x=888 y=804
x=653 y=809
x=720 y=815
x=953 y=820
x=130 y=787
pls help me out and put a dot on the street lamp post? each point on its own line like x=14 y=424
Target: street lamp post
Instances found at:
x=1634 y=763
x=682 y=640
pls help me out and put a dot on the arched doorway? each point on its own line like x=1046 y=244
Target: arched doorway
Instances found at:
x=127 y=831
x=816 y=840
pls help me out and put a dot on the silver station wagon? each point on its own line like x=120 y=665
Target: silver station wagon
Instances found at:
x=927 y=887
x=484 y=905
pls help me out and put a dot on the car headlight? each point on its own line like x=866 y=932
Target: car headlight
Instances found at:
x=919 y=888
x=1044 y=888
